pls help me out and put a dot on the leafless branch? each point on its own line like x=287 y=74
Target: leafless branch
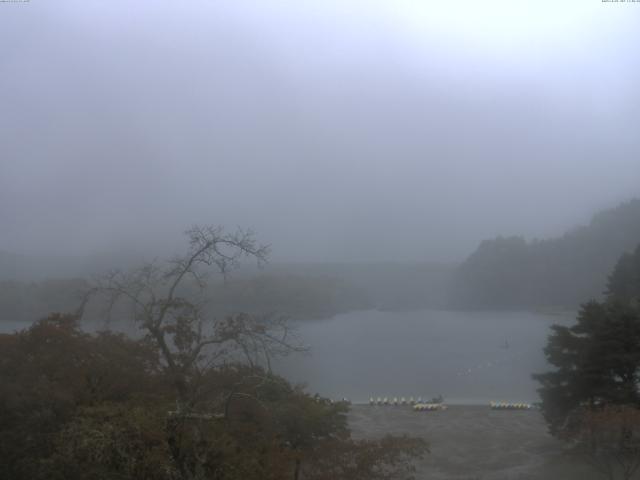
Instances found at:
x=168 y=301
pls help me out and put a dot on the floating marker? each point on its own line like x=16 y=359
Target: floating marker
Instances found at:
x=510 y=406
x=429 y=407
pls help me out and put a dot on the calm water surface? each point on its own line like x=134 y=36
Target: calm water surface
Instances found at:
x=468 y=357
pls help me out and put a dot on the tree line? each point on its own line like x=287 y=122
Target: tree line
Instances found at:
x=298 y=296
x=510 y=272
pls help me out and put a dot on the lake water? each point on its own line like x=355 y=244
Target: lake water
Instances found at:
x=460 y=355
x=468 y=357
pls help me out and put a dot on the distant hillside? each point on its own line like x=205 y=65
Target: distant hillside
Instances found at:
x=29 y=301
x=293 y=296
x=301 y=291
x=509 y=272
x=386 y=285
x=36 y=268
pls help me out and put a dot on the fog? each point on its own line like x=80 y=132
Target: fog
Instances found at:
x=446 y=197
x=339 y=131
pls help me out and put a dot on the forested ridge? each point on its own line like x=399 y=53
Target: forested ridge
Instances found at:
x=296 y=296
x=502 y=273
x=510 y=272
x=300 y=291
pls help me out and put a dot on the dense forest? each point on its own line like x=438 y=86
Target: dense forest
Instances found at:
x=509 y=272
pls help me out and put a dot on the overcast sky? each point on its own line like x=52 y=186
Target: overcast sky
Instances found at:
x=338 y=130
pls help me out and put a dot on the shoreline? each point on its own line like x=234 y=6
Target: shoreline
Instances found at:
x=474 y=442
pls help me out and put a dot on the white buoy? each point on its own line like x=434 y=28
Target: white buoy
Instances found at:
x=509 y=405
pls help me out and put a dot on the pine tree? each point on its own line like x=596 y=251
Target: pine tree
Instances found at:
x=597 y=360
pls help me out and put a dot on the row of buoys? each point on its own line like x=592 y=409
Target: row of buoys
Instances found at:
x=419 y=404
x=510 y=406
x=329 y=401
x=428 y=407
x=394 y=401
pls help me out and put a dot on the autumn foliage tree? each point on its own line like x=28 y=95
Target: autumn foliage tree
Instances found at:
x=52 y=372
x=75 y=405
x=193 y=399
x=168 y=300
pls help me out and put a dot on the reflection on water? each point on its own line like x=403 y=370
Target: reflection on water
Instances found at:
x=468 y=357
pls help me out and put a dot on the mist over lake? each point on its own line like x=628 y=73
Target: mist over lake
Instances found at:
x=459 y=354
x=469 y=357
x=228 y=228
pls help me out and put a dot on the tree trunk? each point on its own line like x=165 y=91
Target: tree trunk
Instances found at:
x=296 y=471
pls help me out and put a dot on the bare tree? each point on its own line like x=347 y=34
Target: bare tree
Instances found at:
x=168 y=301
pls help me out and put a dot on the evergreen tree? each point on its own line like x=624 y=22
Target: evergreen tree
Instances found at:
x=624 y=282
x=597 y=360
